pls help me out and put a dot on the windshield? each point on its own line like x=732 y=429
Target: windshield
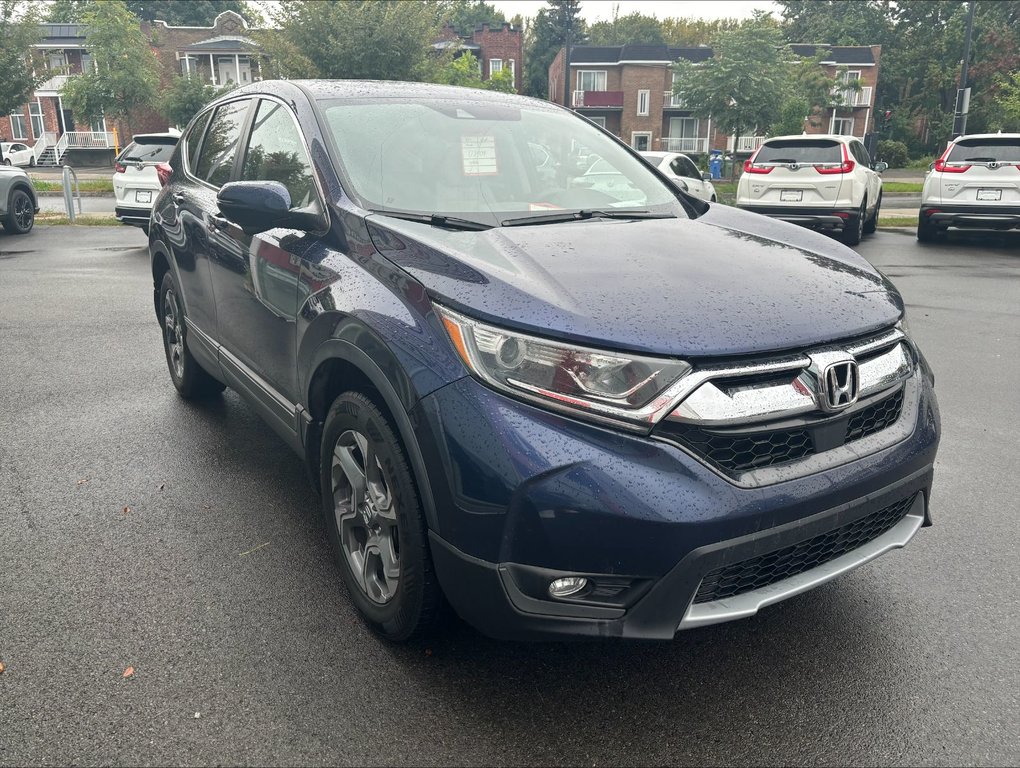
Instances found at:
x=487 y=161
x=799 y=151
x=1004 y=150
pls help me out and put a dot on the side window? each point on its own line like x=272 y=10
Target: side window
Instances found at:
x=865 y=157
x=216 y=158
x=193 y=141
x=691 y=170
x=276 y=153
x=677 y=167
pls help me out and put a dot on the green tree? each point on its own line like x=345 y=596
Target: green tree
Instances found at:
x=19 y=29
x=1008 y=103
x=193 y=13
x=358 y=39
x=465 y=71
x=745 y=84
x=837 y=22
x=68 y=11
x=684 y=32
x=623 y=30
x=465 y=15
x=548 y=35
x=126 y=74
x=186 y=96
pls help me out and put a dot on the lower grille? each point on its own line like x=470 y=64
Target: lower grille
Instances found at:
x=738 y=451
x=760 y=571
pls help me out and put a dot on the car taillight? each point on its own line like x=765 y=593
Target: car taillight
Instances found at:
x=846 y=166
x=118 y=168
x=942 y=166
x=750 y=167
x=163 y=171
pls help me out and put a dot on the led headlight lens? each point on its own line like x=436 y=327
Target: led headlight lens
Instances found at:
x=615 y=385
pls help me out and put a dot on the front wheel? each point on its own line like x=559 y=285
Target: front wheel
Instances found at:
x=375 y=520
x=190 y=379
x=20 y=213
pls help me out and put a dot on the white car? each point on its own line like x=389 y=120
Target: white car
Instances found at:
x=136 y=176
x=975 y=184
x=16 y=153
x=683 y=172
x=826 y=182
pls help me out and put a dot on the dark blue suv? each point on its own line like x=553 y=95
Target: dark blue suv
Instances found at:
x=529 y=375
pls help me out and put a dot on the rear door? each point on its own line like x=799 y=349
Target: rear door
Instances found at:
x=873 y=181
x=796 y=173
x=135 y=181
x=982 y=172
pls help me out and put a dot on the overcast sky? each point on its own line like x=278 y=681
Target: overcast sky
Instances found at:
x=602 y=10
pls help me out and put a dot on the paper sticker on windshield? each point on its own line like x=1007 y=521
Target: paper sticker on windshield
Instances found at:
x=478 y=155
x=544 y=207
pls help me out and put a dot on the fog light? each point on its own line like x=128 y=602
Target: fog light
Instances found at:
x=568 y=586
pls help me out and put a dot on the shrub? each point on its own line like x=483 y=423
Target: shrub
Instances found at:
x=893 y=152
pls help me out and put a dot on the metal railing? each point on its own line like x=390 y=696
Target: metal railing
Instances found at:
x=745 y=144
x=672 y=100
x=88 y=139
x=54 y=84
x=40 y=146
x=853 y=97
x=687 y=145
x=71 y=195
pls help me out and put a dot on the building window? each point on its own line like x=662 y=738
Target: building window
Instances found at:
x=642 y=103
x=98 y=126
x=495 y=65
x=18 y=126
x=35 y=114
x=56 y=61
x=641 y=140
x=843 y=126
x=513 y=68
x=591 y=80
x=600 y=121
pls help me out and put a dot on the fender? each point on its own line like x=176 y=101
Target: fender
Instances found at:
x=337 y=349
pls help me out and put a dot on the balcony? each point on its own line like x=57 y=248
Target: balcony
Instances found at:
x=687 y=145
x=672 y=100
x=745 y=144
x=53 y=86
x=597 y=100
x=853 y=97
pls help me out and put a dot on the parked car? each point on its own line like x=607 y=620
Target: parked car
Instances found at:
x=973 y=185
x=136 y=176
x=18 y=201
x=683 y=172
x=568 y=411
x=16 y=153
x=824 y=182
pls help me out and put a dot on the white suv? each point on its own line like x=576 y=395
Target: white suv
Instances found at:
x=975 y=184
x=137 y=176
x=826 y=182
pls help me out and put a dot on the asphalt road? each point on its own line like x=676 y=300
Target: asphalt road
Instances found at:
x=182 y=541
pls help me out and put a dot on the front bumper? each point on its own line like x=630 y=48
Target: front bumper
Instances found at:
x=526 y=496
x=971 y=216
x=813 y=218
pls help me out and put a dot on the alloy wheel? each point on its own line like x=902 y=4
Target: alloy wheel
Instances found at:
x=23 y=212
x=366 y=516
x=173 y=331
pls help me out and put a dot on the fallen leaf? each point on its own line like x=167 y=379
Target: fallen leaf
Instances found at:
x=128 y=672
x=126 y=511
x=83 y=481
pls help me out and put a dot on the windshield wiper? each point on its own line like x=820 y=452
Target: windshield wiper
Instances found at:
x=438 y=220
x=556 y=218
x=978 y=160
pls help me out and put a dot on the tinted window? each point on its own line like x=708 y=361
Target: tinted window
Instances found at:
x=799 y=151
x=683 y=166
x=149 y=151
x=276 y=153
x=1004 y=150
x=193 y=140
x=478 y=158
x=216 y=158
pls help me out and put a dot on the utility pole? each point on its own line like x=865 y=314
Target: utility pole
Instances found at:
x=566 y=62
x=963 y=94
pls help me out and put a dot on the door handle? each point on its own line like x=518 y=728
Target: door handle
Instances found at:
x=218 y=222
x=178 y=199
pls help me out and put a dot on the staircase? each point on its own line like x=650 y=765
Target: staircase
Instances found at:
x=48 y=158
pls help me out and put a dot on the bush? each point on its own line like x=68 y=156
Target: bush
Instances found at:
x=922 y=162
x=893 y=152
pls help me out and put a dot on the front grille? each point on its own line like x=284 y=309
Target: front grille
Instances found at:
x=760 y=571
x=741 y=450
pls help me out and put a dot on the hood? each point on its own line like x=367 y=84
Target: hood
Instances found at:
x=727 y=283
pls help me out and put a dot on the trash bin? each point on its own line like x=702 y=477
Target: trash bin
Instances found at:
x=715 y=164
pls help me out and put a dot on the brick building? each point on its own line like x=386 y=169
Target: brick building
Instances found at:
x=496 y=46
x=629 y=90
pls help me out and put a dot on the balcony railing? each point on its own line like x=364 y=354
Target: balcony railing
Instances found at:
x=689 y=146
x=672 y=100
x=853 y=97
x=88 y=139
x=597 y=100
x=745 y=144
x=55 y=84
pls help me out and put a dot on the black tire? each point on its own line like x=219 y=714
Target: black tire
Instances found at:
x=853 y=231
x=926 y=233
x=872 y=224
x=7 y=161
x=713 y=200
x=20 y=213
x=411 y=609
x=31 y=162
x=190 y=379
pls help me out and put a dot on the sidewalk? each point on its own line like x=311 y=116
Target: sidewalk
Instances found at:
x=56 y=174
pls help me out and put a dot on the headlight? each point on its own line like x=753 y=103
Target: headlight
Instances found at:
x=611 y=385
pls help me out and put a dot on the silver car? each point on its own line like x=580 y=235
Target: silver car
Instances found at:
x=18 y=203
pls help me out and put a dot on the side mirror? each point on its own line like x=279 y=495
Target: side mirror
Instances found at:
x=706 y=177
x=256 y=206
x=880 y=167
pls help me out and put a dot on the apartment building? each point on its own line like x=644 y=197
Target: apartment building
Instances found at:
x=496 y=46
x=628 y=89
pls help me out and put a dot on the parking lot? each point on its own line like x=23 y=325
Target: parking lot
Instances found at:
x=182 y=541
